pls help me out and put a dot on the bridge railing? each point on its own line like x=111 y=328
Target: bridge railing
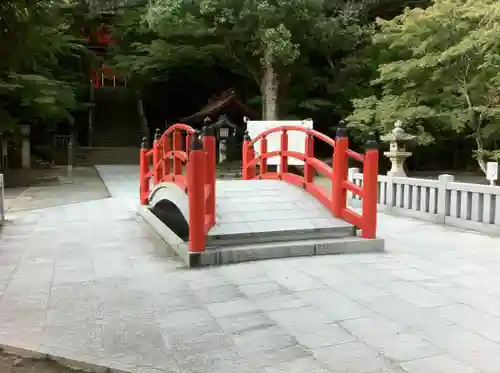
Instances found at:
x=334 y=199
x=189 y=163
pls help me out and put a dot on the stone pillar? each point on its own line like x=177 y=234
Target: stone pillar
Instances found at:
x=26 y=146
x=443 y=202
x=222 y=150
x=26 y=152
x=5 y=153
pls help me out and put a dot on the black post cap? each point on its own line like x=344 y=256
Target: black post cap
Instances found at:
x=157 y=134
x=341 y=132
x=196 y=143
x=144 y=143
x=371 y=142
x=207 y=121
x=208 y=130
x=247 y=136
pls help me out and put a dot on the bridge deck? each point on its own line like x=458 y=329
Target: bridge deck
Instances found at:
x=260 y=219
x=260 y=206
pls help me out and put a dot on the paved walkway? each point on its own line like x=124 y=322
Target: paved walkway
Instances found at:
x=90 y=282
x=81 y=185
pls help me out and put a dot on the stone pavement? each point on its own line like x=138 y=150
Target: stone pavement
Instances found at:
x=83 y=184
x=90 y=282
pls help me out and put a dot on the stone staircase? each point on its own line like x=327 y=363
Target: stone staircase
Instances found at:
x=117 y=129
x=107 y=155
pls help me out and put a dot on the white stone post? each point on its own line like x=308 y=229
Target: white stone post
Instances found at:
x=443 y=200
x=2 y=201
x=70 y=155
x=390 y=194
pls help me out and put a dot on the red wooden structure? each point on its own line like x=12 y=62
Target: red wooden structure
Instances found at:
x=197 y=180
x=198 y=154
x=98 y=41
x=336 y=199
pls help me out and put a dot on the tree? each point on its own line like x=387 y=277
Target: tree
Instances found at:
x=42 y=66
x=440 y=67
x=266 y=41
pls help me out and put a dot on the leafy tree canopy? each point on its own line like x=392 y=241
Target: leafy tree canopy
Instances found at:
x=268 y=42
x=440 y=69
x=42 y=66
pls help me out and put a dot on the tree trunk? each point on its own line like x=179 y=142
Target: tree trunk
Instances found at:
x=142 y=118
x=269 y=90
x=480 y=150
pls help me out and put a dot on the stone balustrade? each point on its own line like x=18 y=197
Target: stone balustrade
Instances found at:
x=442 y=201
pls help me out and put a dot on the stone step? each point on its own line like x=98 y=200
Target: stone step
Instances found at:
x=245 y=252
x=107 y=155
x=296 y=235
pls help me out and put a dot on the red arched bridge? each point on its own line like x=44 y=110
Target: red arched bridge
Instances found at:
x=267 y=214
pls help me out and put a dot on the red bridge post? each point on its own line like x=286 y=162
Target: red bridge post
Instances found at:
x=143 y=171
x=196 y=177
x=210 y=148
x=248 y=156
x=157 y=173
x=370 y=188
x=339 y=174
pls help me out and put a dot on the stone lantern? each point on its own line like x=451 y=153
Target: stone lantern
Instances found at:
x=398 y=139
x=224 y=130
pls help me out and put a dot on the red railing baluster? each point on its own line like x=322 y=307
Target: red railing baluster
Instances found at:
x=143 y=171
x=283 y=161
x=156 y=157
x=165 y=140
x=309 y=153
x=177 y=146
x=339 y=173
x=263 y=150
x=187 y=142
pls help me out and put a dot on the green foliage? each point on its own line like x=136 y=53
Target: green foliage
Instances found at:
x=42 y=76
x=440 y=70
x=242 y=36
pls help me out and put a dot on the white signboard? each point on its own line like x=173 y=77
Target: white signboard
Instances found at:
x=296 y=139
x=492 y=171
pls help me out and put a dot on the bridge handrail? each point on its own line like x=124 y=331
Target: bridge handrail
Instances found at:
x=307 y=131
x=198 y=182
x=336 y=199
